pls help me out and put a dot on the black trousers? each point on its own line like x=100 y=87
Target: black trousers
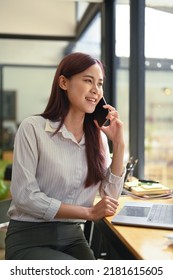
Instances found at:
x=46 y=241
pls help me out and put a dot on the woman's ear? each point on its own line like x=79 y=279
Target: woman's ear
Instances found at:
x=63 y=82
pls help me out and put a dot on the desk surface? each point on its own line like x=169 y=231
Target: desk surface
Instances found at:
x=143 y=243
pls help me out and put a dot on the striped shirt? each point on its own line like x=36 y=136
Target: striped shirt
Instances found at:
x=51 y=168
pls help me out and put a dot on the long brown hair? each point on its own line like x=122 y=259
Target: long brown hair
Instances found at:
x=58 y=107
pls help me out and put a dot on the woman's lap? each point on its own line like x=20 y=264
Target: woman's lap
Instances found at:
x=50 y=240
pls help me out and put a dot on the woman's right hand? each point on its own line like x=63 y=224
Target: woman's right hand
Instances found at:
x=107 y=206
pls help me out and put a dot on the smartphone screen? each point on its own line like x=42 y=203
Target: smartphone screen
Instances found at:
x=100 y=113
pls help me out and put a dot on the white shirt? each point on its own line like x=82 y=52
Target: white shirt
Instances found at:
x=49 y=169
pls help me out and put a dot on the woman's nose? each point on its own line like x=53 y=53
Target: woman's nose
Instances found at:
x=95 y=89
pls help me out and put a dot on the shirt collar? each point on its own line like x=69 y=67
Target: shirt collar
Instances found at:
x=52 y=127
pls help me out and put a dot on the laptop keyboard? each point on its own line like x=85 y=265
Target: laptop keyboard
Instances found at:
x=161 y=213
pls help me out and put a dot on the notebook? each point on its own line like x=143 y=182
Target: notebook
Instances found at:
x=145 y=214
x=142 y=189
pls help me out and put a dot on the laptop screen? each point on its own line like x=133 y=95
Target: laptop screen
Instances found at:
x=135 y=211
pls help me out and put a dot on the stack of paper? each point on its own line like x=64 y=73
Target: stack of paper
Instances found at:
x=147 y=189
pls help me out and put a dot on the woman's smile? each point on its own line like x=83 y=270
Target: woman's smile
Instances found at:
x=92 y=100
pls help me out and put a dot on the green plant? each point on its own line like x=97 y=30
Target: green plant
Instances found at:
x=4 y=188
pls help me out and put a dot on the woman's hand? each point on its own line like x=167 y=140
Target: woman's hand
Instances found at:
x=107 y=206
x=114 y=130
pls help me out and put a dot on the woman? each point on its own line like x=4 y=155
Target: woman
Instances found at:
x=61 y=160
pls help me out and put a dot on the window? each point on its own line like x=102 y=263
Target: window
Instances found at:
x=122 y=75
x=159 y=94
x=90 y=42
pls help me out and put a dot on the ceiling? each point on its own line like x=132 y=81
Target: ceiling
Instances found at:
x=25 y=24
x=41 y=17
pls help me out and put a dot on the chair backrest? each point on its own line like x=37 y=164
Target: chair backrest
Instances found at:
x=4 y=206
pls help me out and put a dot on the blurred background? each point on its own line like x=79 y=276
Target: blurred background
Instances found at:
x=133 y=38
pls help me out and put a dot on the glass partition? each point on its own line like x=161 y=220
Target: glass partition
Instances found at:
x=25 y=92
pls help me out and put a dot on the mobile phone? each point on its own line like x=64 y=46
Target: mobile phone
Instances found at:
x=101 y=113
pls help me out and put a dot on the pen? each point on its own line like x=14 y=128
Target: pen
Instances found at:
x=148 y=181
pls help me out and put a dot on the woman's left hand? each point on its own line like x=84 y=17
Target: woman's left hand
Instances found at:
x=114 y=130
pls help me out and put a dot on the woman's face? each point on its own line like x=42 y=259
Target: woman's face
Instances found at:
x=84 y=90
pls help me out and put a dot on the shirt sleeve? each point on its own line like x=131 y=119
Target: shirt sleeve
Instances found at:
x=112 y=185
x=25 y=190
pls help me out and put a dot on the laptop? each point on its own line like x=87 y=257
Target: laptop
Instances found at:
x=145 y=214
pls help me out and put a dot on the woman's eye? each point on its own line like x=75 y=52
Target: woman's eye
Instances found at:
x=100 y=84
x=88 y=81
